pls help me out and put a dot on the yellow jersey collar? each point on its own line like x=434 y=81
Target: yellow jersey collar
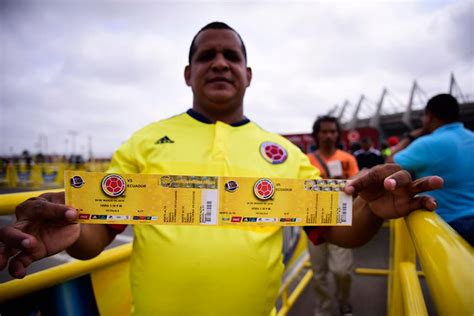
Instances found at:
x=201 y=118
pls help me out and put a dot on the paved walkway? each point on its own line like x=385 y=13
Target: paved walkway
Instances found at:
x=369 y=293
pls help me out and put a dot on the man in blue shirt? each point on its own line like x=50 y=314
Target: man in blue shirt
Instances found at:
x=445 y=148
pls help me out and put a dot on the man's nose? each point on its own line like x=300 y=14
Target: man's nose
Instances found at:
x=220 y=63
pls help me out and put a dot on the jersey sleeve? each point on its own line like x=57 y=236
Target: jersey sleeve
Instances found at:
x=307 y=170
x=123 y=160
x=415 y=157
x=316 y=233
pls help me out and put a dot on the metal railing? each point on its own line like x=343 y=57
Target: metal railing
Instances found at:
x=446 y=259
x=8 y=202
x=62 y=273
x=107 y=259
x=288 y=298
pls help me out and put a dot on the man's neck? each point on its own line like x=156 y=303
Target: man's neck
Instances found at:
x=437 y=124
x=327 y=151
x=236 y=114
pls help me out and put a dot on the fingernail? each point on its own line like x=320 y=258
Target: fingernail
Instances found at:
x=70 y=214
x=19 y=275
x=393 y=182
x=26 y=243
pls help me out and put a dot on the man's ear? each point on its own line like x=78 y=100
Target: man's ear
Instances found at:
x=187 y=75
x=249 y=76
x=429 y=117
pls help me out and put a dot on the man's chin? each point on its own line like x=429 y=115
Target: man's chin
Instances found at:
x=221 y=97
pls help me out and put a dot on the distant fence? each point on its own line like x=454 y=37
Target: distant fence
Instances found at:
x=42 y=175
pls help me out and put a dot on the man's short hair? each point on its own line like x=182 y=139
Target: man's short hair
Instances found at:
x=215 y=26
x=443 y=106
x=317 y=127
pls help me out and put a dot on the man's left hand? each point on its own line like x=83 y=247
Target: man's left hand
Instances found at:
x=390 y=191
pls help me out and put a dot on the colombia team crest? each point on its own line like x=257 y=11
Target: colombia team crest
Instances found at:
x=113 y=185
x=273 y=153
x=264 y=189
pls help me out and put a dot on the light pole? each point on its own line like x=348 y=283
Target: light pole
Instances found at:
x=73 y=141
x=90 y=148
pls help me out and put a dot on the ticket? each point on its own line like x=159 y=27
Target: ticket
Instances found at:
x=206 y=200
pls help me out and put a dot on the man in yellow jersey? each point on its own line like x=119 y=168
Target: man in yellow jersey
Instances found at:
x=326 y=257
x=182 y=270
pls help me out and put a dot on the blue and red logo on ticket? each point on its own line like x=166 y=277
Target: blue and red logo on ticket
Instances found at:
x=113 y=185
x=273 y=153
x=231 y=186
x=76 y=182
x=264 y=189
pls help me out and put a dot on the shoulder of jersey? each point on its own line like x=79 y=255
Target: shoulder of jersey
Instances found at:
x=159 y=125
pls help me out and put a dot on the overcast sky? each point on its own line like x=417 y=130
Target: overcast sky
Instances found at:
x=103 y=69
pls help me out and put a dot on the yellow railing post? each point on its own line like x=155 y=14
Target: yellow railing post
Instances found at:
x=447 y=261
x=403 y=251
x=413 y=301
x=60 y=177
x=12 y=178
x=36 y=176
x=296 y=293
x=284 y=299
x=8 y=202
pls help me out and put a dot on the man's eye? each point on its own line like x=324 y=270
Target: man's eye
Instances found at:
x=205 y=56
x=232 y=56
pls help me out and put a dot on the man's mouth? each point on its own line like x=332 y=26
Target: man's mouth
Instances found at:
x=219 y=79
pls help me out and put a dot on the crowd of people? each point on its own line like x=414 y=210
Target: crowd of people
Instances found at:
x=442 y=146
x=237 y=271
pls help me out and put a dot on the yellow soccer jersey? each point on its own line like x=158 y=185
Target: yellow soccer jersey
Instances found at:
x=191 y=270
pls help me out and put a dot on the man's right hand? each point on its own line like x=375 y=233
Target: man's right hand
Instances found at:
x=44 y=226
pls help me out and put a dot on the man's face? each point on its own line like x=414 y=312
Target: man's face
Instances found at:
x=218 y=74
x=328 y=136
x=366 y=145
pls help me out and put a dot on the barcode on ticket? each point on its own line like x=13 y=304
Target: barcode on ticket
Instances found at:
x=344 y=215
x=209 y=207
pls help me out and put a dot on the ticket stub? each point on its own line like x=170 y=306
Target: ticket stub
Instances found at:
x=206 y=200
